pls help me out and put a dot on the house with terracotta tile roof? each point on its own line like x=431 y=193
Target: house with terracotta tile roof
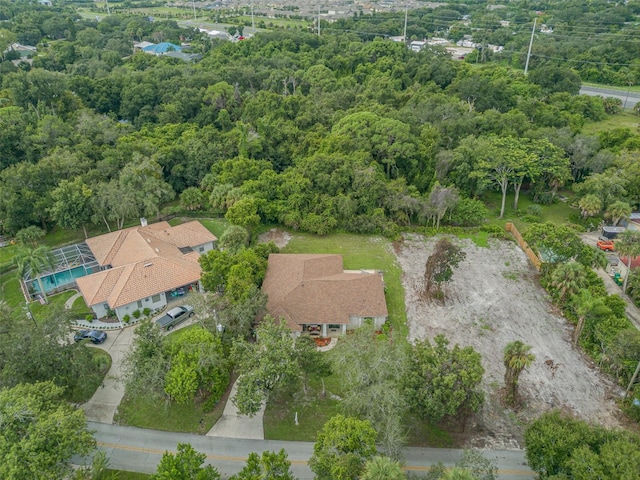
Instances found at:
x=316 y=296
x=141 y=267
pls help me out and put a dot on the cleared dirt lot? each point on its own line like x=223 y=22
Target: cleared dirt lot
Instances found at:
x=495 y=299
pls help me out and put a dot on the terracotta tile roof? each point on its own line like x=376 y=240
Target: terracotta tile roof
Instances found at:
x=122 y=285
x=187 y=234
x=142 y=243
x=314 y=289
x=145 y=261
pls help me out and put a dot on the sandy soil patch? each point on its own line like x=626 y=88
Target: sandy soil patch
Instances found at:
x=280 y=237
x=495 y=299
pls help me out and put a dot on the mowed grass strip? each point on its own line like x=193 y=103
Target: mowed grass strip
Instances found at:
x=126 y=475
x=168 y=416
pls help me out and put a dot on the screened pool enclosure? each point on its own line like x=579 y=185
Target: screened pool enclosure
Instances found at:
x=71 y=262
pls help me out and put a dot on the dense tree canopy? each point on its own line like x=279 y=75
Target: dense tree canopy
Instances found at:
x=316 y=133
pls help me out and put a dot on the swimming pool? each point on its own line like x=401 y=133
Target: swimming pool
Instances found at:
x=61 y=279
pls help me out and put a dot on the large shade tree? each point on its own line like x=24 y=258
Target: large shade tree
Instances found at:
x=40 y=433
x=342 y=447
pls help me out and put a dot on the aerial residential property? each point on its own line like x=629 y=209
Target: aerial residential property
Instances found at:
x=316 y=296
x=142 y=266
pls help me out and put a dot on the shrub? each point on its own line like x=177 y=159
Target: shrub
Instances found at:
x=146 y=311
x=89 y=317
x=469 y=213
x=534 y=210
x=136 y=314
x=126 y=319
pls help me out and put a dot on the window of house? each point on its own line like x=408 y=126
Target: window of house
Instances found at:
x=155 y=298
x=201 y=249
x=139 y=303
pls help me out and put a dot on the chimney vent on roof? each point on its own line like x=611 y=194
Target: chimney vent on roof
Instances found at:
x=148 y=264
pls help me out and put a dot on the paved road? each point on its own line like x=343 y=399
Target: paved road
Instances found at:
x=136 y=449
x=631 y=99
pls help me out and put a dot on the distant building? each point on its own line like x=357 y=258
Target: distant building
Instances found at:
x=545 y=29
x=138 y=46
x=417 y=45
x=215 y=34
x=438 y=41
x=467 y=43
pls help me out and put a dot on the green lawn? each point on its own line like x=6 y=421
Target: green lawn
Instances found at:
x=626 y=119
x=481 y=239
x=361 y=252
x=167 y=416
x=10 y=290
x=90 y=384
x=313 y=409
x=557 y=213
x=217 y=226
x=54 y=300
x=125 y=475
x=7 y=253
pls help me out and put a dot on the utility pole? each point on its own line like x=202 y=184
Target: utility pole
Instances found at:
x=533 y=32
x=318 y=19
x=107 y=4
x=253 y=22
x=406 y=13
x=193 y=2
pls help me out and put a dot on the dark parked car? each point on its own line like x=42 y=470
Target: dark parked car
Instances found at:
x=95 y=336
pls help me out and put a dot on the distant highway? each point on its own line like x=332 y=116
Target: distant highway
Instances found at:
x=628 y=99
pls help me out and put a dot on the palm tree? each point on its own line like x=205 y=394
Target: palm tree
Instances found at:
x=382 y=468
x=517 y=357
x=590 y=205
x=34 y=260
x=583 y=304
x=629 y=246
x=618 y=211
x=568 y=278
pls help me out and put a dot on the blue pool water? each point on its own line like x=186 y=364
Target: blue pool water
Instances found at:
x=61 y=279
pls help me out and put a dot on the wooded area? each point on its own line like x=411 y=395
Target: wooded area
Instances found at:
x=315 y=133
